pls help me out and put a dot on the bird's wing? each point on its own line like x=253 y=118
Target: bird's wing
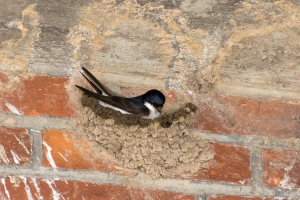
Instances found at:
x=97 y=85
x=119 y=102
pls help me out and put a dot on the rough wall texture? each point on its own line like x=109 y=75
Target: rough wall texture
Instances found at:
x=238 y=61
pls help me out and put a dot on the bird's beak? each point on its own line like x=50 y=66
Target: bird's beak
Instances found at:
x=159 y=109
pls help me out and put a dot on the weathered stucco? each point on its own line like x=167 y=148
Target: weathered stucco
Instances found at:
x=238 y=47
x=236 y=60
x=18 y=32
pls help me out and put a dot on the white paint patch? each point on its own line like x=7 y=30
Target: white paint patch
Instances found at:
x=3 y=155
x=38 y=131
x=13 y=109
x=15 y=181
x=194 y=96
x=49 y=155
x=288 y=182
x=62 y=156
x=288 y=168
x=38 y=195
x=55 y=195
x=153 y=111
x=4 y=185
x=16 y=158
x=27 y=189
x=13 y=24
x=23 y=145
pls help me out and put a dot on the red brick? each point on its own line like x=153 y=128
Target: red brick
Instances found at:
x=72 y=153
x=230 y=164
x=236 y=198
x=38 y=95
x=49 y=189
x=16 y=145
x=281 y=168
x=3 y=78
x=239 y=115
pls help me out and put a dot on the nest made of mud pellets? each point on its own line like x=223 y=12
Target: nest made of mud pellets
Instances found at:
x=160 y=148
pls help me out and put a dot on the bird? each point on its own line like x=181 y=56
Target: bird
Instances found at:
x=148 y=105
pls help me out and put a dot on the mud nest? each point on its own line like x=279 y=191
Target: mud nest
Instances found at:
x=160 y=148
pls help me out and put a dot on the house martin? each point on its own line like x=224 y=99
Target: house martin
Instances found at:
x=148 y=105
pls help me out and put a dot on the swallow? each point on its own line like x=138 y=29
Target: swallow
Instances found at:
x=148 y=105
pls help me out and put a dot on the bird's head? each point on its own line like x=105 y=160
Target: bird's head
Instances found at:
x=155 y=98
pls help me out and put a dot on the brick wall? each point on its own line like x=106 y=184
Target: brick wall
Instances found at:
x=237 y=61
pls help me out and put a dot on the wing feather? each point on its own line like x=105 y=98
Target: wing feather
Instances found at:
x=119 y=102
x=96 y=84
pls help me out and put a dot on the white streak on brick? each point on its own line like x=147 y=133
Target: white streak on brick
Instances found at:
x=288 y=168
x=16 y=158
x=27 y=189
x=33 y=181
x=49 y=155
x=6 y=191
x=38 y=131
x=55 y=195
x=287 y=182
x=23 y=145
x=85 y=183
x=62 y=156
x=3 y=155
x=12 y=109
x=194 y=96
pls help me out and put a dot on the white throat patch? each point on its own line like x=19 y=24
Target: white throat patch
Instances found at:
x=153 y=112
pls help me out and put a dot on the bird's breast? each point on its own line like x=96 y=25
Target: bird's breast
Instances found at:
x=154 y=113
